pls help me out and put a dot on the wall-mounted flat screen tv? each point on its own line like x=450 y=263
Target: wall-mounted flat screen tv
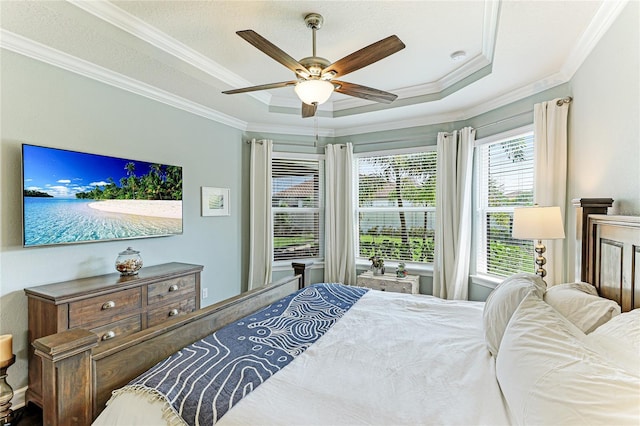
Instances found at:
x=74 y=197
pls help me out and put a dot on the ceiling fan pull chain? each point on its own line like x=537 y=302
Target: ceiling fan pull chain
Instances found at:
x=315 y=126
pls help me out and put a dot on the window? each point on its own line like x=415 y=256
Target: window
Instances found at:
x=396 y=206
x=296 y=208
x=505 y=179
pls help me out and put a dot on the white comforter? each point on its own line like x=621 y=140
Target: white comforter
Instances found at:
x=392 y=359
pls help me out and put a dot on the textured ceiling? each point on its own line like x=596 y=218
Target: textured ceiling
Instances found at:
x=184 y=53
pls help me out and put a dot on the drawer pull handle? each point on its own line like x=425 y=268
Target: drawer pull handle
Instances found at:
x=173 y=312
x=108 y=335
x=174 y=287
x=110 y=304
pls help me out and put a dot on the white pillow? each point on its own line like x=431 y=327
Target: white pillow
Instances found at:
x=624 y=327
x=503 y=301
x=579 y=303
x=619 y=341
x=548 y=376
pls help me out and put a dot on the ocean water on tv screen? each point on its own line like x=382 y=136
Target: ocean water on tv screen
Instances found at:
x=66 y=220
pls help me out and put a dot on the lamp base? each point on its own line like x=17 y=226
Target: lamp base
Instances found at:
x=540 y=260
x=6 y=393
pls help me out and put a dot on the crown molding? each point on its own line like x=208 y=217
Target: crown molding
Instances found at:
x=491 y=19
x=48 y=55
x=119 y=18
x=400 y=124
x=607 y=13
x=460 y=115
x=515 y=95
x=290 y=130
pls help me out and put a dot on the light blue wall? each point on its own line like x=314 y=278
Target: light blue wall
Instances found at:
x=44 y=105
x=604 y=122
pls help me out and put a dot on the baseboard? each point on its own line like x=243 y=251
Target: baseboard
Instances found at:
x=18 y=400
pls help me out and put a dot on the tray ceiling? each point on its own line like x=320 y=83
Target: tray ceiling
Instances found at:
x=185 y=53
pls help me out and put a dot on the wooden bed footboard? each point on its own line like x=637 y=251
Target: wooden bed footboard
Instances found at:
x=78 y=375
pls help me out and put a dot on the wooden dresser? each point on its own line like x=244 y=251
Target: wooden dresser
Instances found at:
x=112 y=306
x=389 y=282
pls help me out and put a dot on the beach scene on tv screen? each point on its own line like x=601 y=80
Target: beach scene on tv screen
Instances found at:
x=73 y=197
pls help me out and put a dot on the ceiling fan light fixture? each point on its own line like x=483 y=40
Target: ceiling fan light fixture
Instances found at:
x=314 y=91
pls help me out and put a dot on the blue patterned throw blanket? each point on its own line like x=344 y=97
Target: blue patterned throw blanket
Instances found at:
x=201 y=382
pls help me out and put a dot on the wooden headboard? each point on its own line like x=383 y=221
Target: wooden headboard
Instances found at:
x=608 y=251
x=613 y=258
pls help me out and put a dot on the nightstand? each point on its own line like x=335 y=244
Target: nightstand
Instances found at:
x=389 y=282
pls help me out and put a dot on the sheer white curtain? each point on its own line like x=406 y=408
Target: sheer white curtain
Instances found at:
x=453 y=214
x=550 y=132
x=339 y=257
x=260 y=218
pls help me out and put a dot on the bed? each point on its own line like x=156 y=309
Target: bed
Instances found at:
x=529 y=355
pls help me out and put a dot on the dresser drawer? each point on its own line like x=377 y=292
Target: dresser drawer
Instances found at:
x=102 y=309
x=399 y=287
x=178 y=288
x=119 y=328
x=163 y=313
x=389 y=282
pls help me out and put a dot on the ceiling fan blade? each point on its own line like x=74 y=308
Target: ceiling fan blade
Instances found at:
x=261 y=87
x=273 y=51
x=366 y=56
x=364 y=92
x=308 y=110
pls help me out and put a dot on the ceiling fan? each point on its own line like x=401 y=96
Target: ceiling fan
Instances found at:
x=316 y=75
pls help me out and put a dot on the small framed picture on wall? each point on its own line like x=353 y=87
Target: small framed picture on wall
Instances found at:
x=215 y=201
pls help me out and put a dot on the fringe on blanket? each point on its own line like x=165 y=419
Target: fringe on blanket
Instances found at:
x=168 y=412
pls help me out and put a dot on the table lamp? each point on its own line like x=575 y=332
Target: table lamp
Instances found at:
x=538 y=223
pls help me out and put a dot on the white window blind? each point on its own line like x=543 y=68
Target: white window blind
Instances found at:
x=505 y=180
x=396 y=206
x=296 y=204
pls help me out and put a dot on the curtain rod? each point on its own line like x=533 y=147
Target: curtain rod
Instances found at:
x=342 y=146
x=563 y=101
x=559 y=102
x=281 y=143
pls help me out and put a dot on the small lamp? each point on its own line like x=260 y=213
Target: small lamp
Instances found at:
x=538 y=223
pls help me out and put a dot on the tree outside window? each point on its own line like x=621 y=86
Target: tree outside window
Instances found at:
x=396 y=206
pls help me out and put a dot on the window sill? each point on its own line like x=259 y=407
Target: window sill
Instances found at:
x=422 y=269
x=487 y=281
x=285 y=265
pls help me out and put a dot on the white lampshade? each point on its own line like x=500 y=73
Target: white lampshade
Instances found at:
x=537 y=223
x=314 y=91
